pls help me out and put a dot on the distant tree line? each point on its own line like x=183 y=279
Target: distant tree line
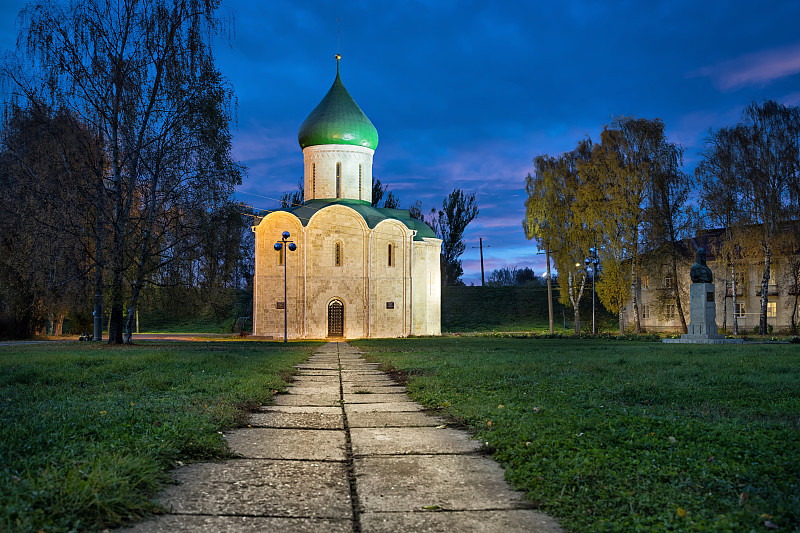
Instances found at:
x=628 y=196
x=513 y=276
x=115 y=162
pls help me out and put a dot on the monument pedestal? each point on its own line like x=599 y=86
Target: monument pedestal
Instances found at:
x=702 y=328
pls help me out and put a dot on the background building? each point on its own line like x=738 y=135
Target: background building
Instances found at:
x=658 y=310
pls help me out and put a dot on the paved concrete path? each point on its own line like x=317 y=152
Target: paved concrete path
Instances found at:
x=346 y=451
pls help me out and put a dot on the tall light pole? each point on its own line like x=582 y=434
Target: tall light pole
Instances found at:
x=593 y=260
x=282 y=245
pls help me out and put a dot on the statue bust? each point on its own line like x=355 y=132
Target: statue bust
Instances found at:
x=700 y=273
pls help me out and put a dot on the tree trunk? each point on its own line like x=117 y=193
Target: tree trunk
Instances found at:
x=733 y=291
x=549 y=292
x=677 y=290
x=762 y=323
x=58 y=323
x=725 y=306
x=634 y=300
x=576 y=301
x=98 y=256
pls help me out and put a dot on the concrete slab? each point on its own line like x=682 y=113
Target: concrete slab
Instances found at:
x=237 y=524
x=305 y=399
x=298 y=379
x=318 y=388
x=318 y=366
x=376 y=398
x=368 y=380
x=300 y=417
x=511 y=521
x=452 y=482
x=278 y=443
x=410 y=440
x=261 y=488
x=311 y=372
x=361 y=373
x=383 y=419
x=387 y=407
x=349 y=387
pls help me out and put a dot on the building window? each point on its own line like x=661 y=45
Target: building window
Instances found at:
x=669 y=311
x=668 y=281
x=337 y=254
x=391 y=255
x=389 y=305
x=314 y=179
x=645 y=282
x=280 y=257
x=645 y=311
x=359 y=182
x=772 y=309
x=338 y=180
x=739 y=312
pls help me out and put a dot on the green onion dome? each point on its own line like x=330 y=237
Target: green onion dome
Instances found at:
x=338 y=120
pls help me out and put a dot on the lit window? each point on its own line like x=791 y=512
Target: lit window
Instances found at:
x=740 y=310
x=338 y=180
x=337 y=254
x=645 y=311
x=772 y=309
x=645 y=282
x=391 y=255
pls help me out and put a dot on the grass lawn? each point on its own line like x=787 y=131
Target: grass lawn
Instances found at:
x=89 y=431
x=625 y=436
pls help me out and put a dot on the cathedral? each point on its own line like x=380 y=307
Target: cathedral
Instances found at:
x=353 y=271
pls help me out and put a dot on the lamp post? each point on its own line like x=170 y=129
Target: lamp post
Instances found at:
x=282 y=245
x=593 y=260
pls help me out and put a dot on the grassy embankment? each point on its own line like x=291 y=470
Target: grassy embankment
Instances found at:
x=625 y=436
x=481 y=309
x=89 y=431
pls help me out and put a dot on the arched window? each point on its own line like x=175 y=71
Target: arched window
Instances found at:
x=337 y=254
x=314 y=179
x=280 y=257
x=338 y=180
x=391 y=255
x=359 y=182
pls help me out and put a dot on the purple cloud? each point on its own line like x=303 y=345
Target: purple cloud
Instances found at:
x=758 y=68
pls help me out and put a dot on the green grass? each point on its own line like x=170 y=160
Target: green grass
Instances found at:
x=90 y=431
x=625 y=436
x=469 y=309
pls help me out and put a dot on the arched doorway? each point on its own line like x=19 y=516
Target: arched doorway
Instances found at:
x=336 y=318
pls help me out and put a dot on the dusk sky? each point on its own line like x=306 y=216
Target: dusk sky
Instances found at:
x=465 y=94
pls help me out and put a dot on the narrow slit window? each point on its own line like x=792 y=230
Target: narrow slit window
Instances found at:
x=391 y=255
x=314 y=179
x=359 y=182
x=280 y=257
x=337 y=254
x=338 y=180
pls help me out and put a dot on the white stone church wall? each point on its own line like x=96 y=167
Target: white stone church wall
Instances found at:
x=324 y=158
x=427 y=288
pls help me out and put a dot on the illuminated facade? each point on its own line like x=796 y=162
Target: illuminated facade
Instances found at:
x=358 y=271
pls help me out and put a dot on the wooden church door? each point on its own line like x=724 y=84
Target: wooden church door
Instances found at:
x=336 y=319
